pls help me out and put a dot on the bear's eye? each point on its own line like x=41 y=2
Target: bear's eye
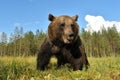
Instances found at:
x=62 y=25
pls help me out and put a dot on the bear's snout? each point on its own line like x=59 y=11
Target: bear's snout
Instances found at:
x=71 y=35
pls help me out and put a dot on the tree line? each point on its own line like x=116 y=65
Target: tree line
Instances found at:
x=20 y=43
x=105 y=42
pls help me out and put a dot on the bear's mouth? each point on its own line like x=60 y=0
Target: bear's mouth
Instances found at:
x=68 y=40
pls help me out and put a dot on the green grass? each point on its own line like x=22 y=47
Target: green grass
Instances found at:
x=24 y=68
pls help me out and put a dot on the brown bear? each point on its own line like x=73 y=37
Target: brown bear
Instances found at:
x=63 y=42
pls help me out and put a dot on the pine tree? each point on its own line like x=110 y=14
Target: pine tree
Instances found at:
x=3 y=44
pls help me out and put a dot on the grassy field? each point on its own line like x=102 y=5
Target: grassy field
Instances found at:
x=24 y=68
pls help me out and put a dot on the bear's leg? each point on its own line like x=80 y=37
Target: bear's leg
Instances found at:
x=86 y=63
x=60 y=60
x=80 y=62
x=43 y=60
x=44 y=55
x=78 y=65
x=75 y=67
x=81 y=67
x=84 y=56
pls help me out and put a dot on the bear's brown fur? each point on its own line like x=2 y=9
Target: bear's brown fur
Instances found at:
x=63 y=42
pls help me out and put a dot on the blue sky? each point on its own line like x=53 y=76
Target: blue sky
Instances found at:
x=33 y=14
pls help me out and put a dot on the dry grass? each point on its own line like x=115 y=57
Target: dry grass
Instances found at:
x=24 y=68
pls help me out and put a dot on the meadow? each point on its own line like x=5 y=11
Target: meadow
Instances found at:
x=24 y=68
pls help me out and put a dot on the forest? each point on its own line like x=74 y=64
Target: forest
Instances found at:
x=105 y=42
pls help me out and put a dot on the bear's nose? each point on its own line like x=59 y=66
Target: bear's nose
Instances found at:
x=71 y=34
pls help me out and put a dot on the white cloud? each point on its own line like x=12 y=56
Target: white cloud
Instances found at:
x=27 y=24
x=95 y=23
x=17 y=24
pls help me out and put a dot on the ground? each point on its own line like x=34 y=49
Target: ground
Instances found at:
x=24 y=68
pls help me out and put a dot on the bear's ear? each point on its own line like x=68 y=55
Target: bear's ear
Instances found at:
x=75 y=17
x=51 y=17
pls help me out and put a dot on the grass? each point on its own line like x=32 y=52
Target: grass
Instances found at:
x=24 y=68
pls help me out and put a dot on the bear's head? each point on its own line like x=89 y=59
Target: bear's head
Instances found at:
x=63 y=29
